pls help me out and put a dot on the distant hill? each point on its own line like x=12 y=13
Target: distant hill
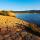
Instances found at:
x=29 y=11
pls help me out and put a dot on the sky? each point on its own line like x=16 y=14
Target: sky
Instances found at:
x=19 y=5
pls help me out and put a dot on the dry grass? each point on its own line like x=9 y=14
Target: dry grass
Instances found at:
x=11 y=24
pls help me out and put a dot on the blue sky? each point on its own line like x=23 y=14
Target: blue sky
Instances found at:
x=19 y=5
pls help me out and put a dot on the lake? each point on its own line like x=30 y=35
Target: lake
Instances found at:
x=33 y=18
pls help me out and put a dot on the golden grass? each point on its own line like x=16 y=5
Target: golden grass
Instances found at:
x=11 y=22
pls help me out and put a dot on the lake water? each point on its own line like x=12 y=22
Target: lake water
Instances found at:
x=34 y=18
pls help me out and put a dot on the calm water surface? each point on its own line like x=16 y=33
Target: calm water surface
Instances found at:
x=34 y=18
